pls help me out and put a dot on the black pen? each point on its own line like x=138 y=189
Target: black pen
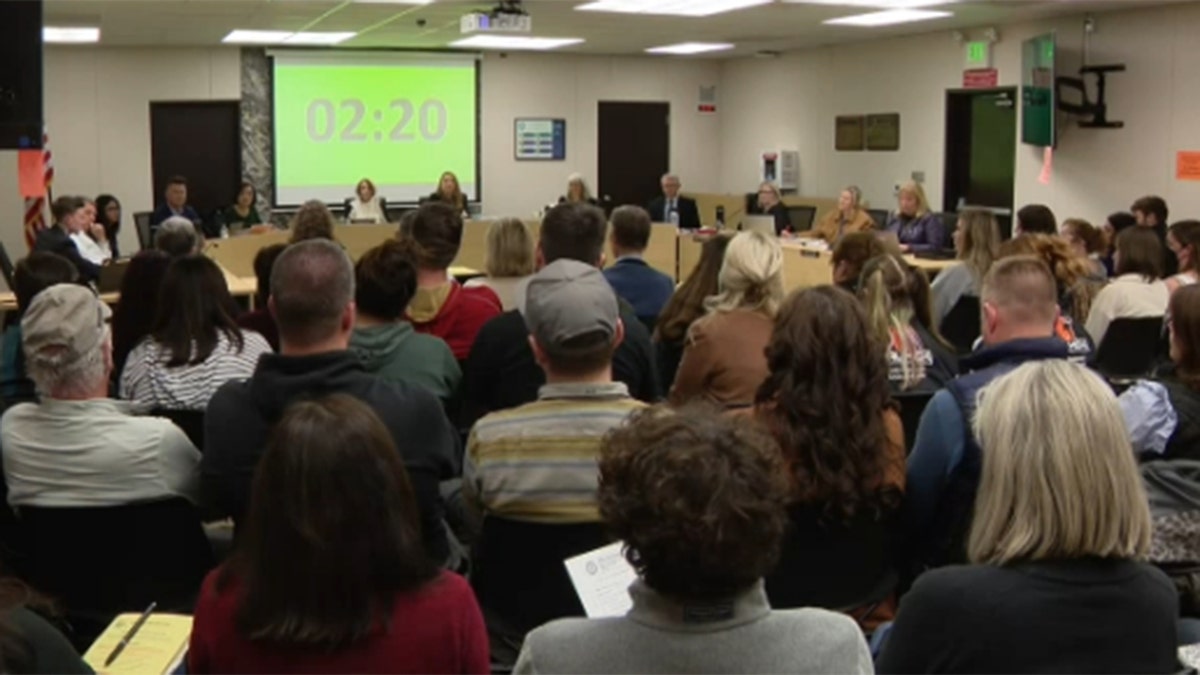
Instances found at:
x=137 y=625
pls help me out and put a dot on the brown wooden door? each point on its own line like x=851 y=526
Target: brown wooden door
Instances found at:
x=200 y=140
x=634 y=151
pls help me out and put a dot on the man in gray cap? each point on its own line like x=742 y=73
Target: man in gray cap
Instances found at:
x=535 y=465
x=77 y=447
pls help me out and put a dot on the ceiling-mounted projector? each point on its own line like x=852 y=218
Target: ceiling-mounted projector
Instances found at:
x=507 y=17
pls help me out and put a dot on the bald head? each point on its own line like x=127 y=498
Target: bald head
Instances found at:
x=312 y=293
x=1020 y=300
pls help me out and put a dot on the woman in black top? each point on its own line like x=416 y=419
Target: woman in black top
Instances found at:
x=450 y=192
x=577 y=192
x=108 y=214
x=1060 y=532
x=770 y=202
x=242 y=214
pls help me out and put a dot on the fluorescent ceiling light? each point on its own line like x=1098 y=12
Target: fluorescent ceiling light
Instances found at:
x=890 y=17
x=670 y=7
x=257 y=37
x=874 y=4
x=514 y=42
x=307 y=38
x=691 y=48
x=70 y=35
x=394 y=2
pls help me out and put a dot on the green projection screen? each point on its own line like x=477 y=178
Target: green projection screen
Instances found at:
x=397 y=119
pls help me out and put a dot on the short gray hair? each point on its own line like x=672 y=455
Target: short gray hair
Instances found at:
x=177 y=237
x=312 y=283
x=671 y=176
x=56 y=375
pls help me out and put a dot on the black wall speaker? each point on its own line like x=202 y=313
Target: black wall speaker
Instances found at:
x=21 y=120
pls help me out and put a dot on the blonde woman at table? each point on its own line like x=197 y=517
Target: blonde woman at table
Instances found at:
x=366 y=206
x=918 y=228
x=977 y=245
x=724 y=357
x=849 y=217
x=509 y=262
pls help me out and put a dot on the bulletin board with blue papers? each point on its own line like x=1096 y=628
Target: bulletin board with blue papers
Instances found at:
x=540 y=139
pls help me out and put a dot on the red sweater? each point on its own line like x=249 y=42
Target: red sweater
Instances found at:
x=459 y=317
x=436 y=629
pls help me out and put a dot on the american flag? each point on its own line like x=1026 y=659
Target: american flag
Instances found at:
x=35 y=207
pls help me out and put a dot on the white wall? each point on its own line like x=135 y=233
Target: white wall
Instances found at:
x=571 y=87
x=97 y=106
x=791 y=103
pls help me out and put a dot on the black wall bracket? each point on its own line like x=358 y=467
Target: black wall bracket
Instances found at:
x=1097 y=111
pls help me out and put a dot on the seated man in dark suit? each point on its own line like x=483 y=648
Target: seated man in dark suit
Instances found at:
x=636 y=282
x=175 y=204
x=70 y=218
x=686 y=214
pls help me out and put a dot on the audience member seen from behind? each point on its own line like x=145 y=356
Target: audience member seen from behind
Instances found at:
x=1138 y=290
x=536 y=464
x=852 y=252
x=385 y=281
x=917 y=227
x=1035 y=219
x=848 y=218
x=977 y=245
x=1087 y=241
x=178 y=237
x=723 y=360
x=1114 y=225
x=108 y=216
x=32 y=644
x=195 y=344
x=686 y=306
x=1183 y=238
x=698 y=602
x=826 y=402
x=330 y=574
x=672 y=207
x=1151 y=213
x=1020 y=306
x=259 y=319
x=646 y=289
x=449 y=192
x=441 y=306
x=69 y=220
x=577 y=191
x=242 y=215
x=366 y=206
x=175 y=203
x=770 y=202
x=1058 y=542
x=134 y=315
x=114 y=457
x=501 y=372
x=1075 y=286
x=896 y=297
x=509 y=262
x=1163 y=414
x=312 y=220
x=312 y=299
x=33 y=274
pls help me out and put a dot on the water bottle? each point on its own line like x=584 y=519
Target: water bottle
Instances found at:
x=674 y=218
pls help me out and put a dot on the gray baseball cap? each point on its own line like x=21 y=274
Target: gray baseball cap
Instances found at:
x=566 y=300
x=68 y=320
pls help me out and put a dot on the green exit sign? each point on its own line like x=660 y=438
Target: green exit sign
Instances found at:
x=979 y=54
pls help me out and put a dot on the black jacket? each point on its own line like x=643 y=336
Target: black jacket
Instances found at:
x=689 y=215
x=56 y=240
x=241 y=414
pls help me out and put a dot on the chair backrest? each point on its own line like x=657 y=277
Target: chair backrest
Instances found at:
x=518 y=570
x=961 y=325
x=949 y=223
x=190 y=422
x=1129 y=347
x=880 y=217
x=6 y=266
x=912 y=405
x=141 y=222
x=100 y=561
x=802 y=217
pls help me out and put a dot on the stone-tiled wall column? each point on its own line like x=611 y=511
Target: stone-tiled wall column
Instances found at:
x=257 y=144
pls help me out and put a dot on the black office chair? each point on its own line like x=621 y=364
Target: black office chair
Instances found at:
x=97 y=562
x=961 y=325
x=949 y=223
x=141 y=222
x=912 y=406
x=6 y=266
x=802 y=217
x=880 y=216
x=1129 y=349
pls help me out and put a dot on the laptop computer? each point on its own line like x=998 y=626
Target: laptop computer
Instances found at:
x=764 y=224
x=111 y=276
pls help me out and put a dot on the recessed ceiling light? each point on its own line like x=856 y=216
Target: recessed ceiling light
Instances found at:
x=889 y=18
x=394 y=2
x=257 y=37
x=317 y=38
x=70 y=35
x=875 y=4
x=670 y=7
x=691 y=48
x=514 y=42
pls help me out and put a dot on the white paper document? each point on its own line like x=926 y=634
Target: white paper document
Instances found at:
x=601 y=579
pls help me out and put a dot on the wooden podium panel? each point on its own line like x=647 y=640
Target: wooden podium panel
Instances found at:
x=358 y=239
x=236 y=254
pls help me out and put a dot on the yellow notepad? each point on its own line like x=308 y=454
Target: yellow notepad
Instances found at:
x=157 y=648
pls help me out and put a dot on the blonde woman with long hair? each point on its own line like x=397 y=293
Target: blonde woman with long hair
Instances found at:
x=1061 y=530
x=914 y=223
x=723 y=358
x=976 y=245
x=896 y=297
x=509 y=262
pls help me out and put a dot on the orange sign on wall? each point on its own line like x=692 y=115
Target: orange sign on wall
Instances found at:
x=1187 y=165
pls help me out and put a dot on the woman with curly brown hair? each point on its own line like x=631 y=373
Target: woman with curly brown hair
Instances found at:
x=698 y=498
x=826 y=402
